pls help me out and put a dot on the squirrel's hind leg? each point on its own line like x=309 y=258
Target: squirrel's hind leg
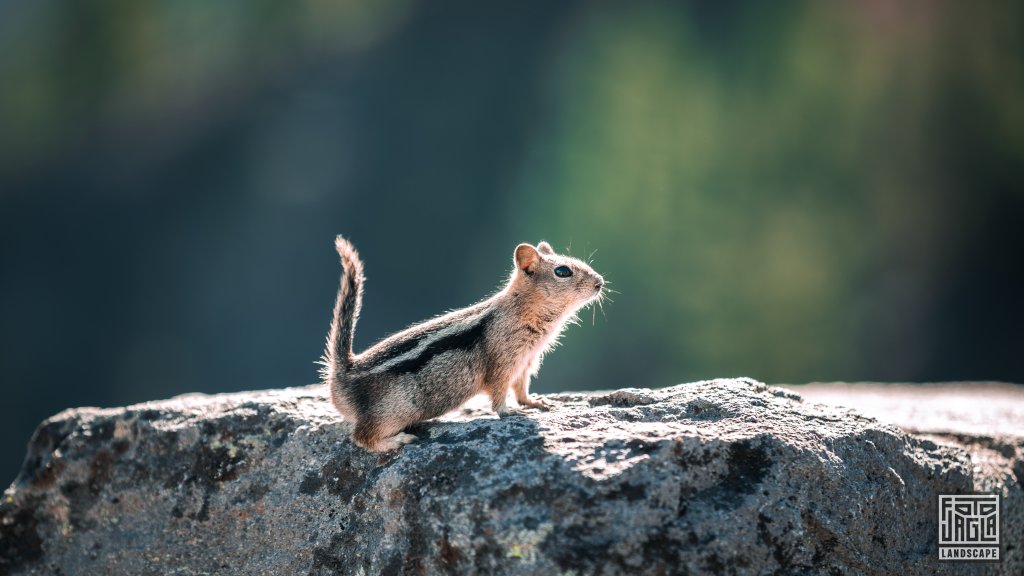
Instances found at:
x=378 y=436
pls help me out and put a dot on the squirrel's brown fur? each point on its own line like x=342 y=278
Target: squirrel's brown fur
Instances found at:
x=432 y=368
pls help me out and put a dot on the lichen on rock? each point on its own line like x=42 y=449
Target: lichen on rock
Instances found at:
x=722 y=476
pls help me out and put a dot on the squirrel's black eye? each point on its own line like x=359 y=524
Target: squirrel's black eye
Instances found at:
x=563 y=271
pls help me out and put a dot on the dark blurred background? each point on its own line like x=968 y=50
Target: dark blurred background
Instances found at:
x=790 y=191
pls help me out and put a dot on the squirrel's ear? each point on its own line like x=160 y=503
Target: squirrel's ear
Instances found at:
x=545 y=248
x=526 y=258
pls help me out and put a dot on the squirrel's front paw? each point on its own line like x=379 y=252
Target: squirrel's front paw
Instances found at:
x=536 y=403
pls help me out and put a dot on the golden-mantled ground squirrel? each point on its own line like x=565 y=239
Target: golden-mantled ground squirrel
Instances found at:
x=432 y=368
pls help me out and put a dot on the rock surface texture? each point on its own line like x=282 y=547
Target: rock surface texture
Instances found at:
x=723 y=476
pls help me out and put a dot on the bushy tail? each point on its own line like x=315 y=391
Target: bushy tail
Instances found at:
x=338 y=355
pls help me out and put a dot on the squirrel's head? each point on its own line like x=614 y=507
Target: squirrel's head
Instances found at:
x=566 y=282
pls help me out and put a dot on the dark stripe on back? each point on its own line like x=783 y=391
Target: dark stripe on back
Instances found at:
x=396 y=349
x=463 y=340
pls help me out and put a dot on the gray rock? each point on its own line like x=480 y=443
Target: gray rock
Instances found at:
x=724 y=476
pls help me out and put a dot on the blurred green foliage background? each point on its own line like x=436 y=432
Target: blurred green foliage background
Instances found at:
x=793 y=191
